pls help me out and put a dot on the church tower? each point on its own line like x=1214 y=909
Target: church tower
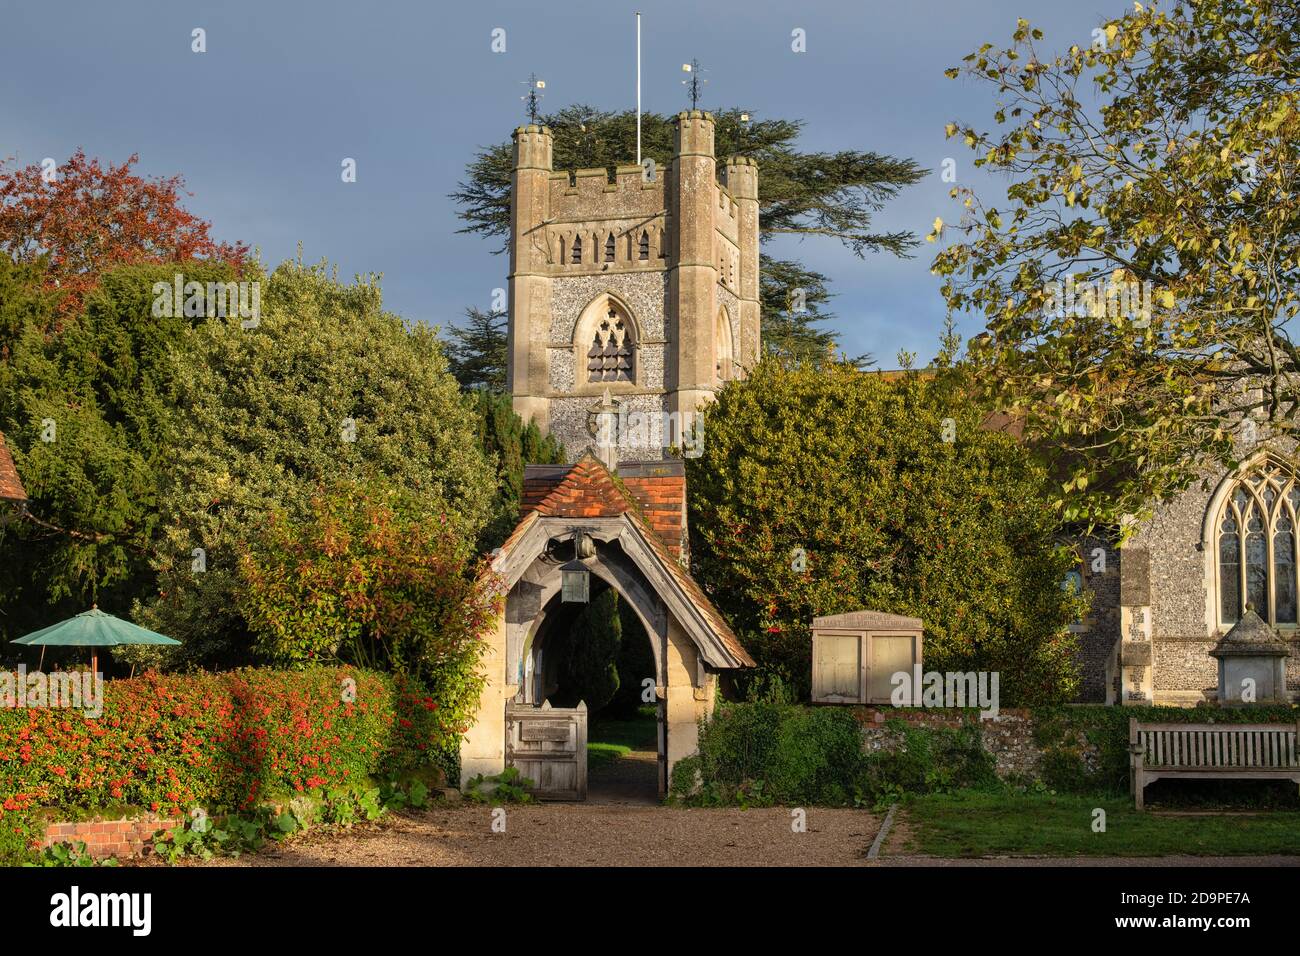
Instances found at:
x=632 y=299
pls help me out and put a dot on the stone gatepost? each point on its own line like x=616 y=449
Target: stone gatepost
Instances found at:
x=1136 y=650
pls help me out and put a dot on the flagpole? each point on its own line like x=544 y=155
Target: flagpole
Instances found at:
x=638 y=89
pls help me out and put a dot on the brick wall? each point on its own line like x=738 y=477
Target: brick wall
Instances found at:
x=660 y=489
x=104 y=838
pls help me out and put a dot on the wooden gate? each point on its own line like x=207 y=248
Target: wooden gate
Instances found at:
x=548 y=745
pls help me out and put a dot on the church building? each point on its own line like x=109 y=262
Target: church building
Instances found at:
x=634 y=296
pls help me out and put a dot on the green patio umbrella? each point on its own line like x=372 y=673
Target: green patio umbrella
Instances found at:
x=93 y=629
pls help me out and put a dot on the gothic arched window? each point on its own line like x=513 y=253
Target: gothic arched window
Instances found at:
x=612 y=356
x=1255 y=547
x=643 y=252
x=609 y=248
x=577 y=249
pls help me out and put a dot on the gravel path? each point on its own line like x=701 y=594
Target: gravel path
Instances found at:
x=631 y=779
x=586 y=835
x=634 y=834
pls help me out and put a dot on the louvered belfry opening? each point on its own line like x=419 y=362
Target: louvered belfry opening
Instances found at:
x=611 y=356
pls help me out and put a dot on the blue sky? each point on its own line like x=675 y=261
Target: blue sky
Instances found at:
x=260 y=123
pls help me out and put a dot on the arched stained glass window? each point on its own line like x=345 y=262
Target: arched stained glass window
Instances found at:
x=1256 y=547
x=1229 y=569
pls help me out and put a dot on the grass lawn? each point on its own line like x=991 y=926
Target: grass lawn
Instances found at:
x=607 y=740
x=1000 y=824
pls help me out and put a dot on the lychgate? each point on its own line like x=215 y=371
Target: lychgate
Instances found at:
x=584 y=530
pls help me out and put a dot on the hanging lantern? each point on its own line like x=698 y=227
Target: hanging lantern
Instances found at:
x=575 y=586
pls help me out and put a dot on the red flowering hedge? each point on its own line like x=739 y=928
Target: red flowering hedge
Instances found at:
x=217 y=740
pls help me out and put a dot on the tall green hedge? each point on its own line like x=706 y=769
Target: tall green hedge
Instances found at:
x=825 y=489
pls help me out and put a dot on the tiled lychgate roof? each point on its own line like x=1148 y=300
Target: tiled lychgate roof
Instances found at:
x=11 y=489
x=587 y=490
x=657 y=489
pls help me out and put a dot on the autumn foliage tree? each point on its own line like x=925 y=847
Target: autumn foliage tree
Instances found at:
x=1157 y=165
x=83 y=217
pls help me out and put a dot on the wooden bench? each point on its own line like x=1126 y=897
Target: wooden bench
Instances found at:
x=1212 y=752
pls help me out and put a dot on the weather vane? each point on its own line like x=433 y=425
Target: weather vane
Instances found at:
x=695 y=84
x=532 y=96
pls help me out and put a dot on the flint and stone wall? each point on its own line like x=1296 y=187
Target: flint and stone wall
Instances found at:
x=1008 y=737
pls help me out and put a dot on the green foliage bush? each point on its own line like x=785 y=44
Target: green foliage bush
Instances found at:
x=105 y=379
x=852 y=469
x=931 y=760
x=817 y=757
x=762 y=753
x=508 y=786
x=328 y=387
x=366 y=580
